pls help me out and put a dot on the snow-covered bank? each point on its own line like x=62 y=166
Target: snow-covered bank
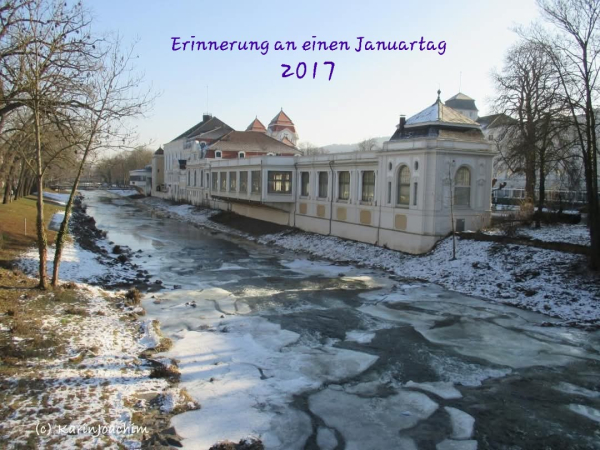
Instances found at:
x=61 y=199
x=551 y=282
x=96 y=381
x=80 y=265
x=546 y=281
x=99 y=386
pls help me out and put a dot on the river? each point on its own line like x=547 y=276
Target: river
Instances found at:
x=306 y=354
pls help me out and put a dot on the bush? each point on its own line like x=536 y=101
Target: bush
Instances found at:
x=134 y=296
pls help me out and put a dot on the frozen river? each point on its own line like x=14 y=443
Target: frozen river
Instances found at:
x=310 y=355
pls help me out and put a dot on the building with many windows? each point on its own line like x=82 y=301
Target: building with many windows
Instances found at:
x=437 y=165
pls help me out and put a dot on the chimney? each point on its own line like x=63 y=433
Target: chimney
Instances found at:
x=206 y=117
x=402 y=123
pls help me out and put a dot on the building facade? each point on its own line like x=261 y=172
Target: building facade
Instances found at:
x=436 y=165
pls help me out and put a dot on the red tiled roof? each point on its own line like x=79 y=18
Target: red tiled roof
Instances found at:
x=256 y=125
x=282 y=120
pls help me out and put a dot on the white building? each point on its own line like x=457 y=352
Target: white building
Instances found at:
x=141 y=180
x=400 y=197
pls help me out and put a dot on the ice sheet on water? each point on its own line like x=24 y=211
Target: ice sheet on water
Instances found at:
x=244 y=375
x=502 y=346
x=307 y=267
x=455 y=371
x=362 y=337
x=442 y=389
x=372 y=422
x=449 y=444
x=462 y=423
x=586 y=411
x=573 y=389
x=326 y=439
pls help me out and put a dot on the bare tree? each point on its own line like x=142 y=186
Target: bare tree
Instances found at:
x=574 y=49
x=528 y=94
x=52 y=73
x=368 y=145
x=112 y=97
x=309 y=149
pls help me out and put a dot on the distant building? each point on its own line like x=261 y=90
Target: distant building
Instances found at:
x=214 y=139
x=400 y=197
x=141 y=180
x=464 y=105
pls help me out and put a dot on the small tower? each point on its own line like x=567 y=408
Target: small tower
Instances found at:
x=257 y=126
x=282 y=128
x=464 y=105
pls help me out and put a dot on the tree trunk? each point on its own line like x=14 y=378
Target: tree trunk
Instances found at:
x=21 y=184
x=41 y=232
x=542 y=195
x=64 y=226
x=9 y=182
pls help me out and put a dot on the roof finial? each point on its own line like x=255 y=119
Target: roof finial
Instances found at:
x=439 y=92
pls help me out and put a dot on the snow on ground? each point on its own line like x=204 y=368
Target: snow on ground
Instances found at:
x=546 y=281
x=551 y=282
x=61 y=199
x=98 y=380
x=573 y=234
x=95 y=382
x=77 y=264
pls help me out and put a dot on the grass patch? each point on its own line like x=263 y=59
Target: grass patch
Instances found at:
x=13 y=239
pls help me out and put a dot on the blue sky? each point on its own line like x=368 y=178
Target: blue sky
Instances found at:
x=368 y=90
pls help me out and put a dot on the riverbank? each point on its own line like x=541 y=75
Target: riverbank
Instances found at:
x=77 y=365
x=553 y=283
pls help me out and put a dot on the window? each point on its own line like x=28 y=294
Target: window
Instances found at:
x=304 y=182
x=195 y=177
x=241 y=155
x=279 y=182
x=403 y=187
x=223 y=179
x=215 y=181
x=368 y=186
x=462 y=187
x=189 y=175
x=344 y=185
x=218 y=154
x=415 y=191
x=244 y=182
x=202 y=178
x=389 y=193
x=322 y=184
x=256 y=182
x=232 y=181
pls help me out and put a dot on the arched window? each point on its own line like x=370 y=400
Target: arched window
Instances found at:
x=462 y=187
x=218 y=154
x=241 y=155
x=403 y=187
